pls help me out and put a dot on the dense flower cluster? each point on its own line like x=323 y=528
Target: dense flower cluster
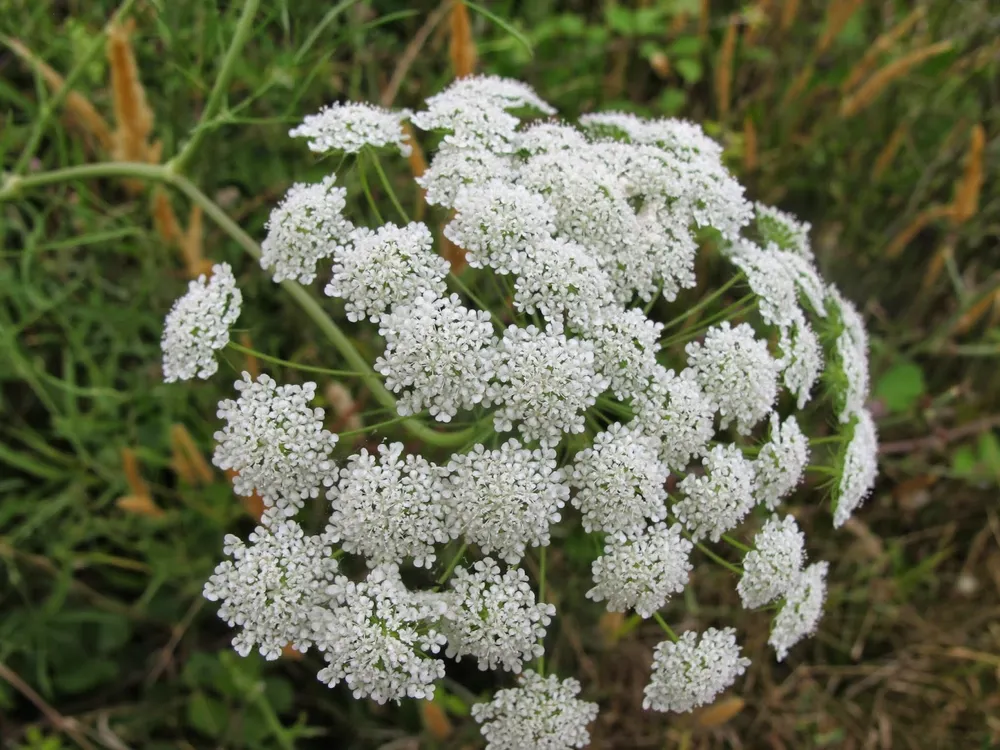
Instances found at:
x=565 y=348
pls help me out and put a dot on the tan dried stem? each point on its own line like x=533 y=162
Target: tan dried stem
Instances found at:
x=871 y=89
x=461 y=45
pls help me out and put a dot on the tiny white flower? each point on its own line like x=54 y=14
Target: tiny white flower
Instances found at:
x=454 y=168
x=542 y=713
x=274 y=441
x=270 y=587
x=801 y=611
x=379 y=638
x=306 y=227
x=438 y=354
x=619 y=481
x=692 y=672
x=717 y=501
x=198 y=325
x=625 y=347
x=783 y=229
x=676 y=412
x=544 y=136
x=781 y=462
x=643 y=570
x=852 y=356
x=393 y=265
x=801 y=358
x=859 y=467
x=772 y=567
x=494 y=618
x=770 y=279
x=504 y=500
x=736 y=370
x=350 y=127
x=390 y=508
x=544 y=383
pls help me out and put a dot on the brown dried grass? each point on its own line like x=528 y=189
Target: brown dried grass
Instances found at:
x=724 y=69
x=749 y=145
x=889 y=150
x=883 y=43
x=838 y=13
x=871 y=89
x=965 y=203
x=461 y=45
x=187 y=460
x=898 y=243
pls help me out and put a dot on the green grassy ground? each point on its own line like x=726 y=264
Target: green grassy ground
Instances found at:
x=105 y=640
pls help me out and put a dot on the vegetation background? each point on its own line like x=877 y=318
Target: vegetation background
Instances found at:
x=876 y=121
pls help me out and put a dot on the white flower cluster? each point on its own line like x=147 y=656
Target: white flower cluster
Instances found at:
x=578 y=242
x=305 y=228
x=348 y=128
x=390 y=508
x=542 y=713
x=690 y=672
x=494 y=618
x=198 y=325
x=390 y=266
x=642 y=570
x=274 y=441
x=271 y=587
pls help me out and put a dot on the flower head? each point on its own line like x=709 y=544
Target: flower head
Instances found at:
x=198 y=325
x=625 y=347
x=784 y=230
x=454 y=168
x=542 y=713
x=378 y=637
x=306 y=227
x=494 y=618
x=275 y=441
x=692 y=672
x=504 y=500
x=859 y=467
x=350 y=127
x=390 y=266
x=781 y=462
x=677 y=413
x=439 y=354
x=852 y=357
x=717 y=501
x=800 y=613
x=390 y=508
x=642 y=570
x=270 y=587
x=773 y=566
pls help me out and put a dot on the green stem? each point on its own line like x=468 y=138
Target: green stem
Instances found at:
x=826 y=440
x=735 y=543
x=702 y=303
x=666 y=628
x=59 y=96
x=452 y=565
x=384 y=179
x=464 y=288
x=215 y=99
x=363 y=176
x=733 y=311
x=724 y=563
x=294 y=365
x=369 y=428
x=15 y=184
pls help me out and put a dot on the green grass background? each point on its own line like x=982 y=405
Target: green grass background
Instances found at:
x=101 y=615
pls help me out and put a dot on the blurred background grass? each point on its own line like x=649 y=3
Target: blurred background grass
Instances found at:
x=876 y=121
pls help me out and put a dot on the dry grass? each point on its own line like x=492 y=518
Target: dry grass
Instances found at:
x=965 y=204
x=724 y=69
x=871 y=89
x=461 y=45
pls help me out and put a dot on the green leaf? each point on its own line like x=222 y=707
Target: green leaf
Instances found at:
x=685 y=46
x=689 y=69
x=963 y=461
x=84 y=674
x=503 y=24
x=279 y=694
x=205 y=714
x=989 y=453
x=672 y=101
x=901 y=387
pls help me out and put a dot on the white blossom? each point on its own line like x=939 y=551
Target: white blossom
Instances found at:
x=801 y=358
x=770 y=280
x=562 y=280
x=454 y=168
x=504 y=500
x=274 y=441
x=306 y=227
x=718 y=500
x=736 y=370
x=642 y=570
x=800 y=613
x=270 y=587
x=852 y=356
x=619 y=481
x=439 y=354
x=198 y=325
x=543 y=137
x=692 y=672
x=772 y=567
x=858 y=469
x=678 y=414
x=500 y=225
x=783 y=229
x=379 y=637
x=389 y=508
x=670 y=249
x=544 y=382
x=390 y=266
x=350 y=127
x=625 y=346
x=494 y=618
x=781 y=462
x=542 y=713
